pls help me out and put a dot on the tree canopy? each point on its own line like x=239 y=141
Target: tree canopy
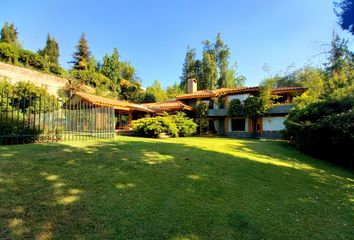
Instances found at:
x=345 y=12
x=82 y=56
x=213 y=70
x=9 y=34
x=51 y=51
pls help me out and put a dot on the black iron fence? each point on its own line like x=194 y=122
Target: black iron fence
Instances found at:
x=31 y=118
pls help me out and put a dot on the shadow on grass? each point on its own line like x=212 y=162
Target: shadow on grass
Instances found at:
x=171 y=189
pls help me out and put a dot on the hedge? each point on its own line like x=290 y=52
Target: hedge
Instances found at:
x=324 y=130
x=11 y=54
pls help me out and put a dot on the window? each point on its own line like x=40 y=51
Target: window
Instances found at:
x=238 y=124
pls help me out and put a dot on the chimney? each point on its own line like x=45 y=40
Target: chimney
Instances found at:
x=192 y=85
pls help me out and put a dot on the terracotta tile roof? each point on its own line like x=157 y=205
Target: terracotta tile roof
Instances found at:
x=170 y=105
x=197 y=94
x=289 y=89
x=217 y=92
x=117 y=104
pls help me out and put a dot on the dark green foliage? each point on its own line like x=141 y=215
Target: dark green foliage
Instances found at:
x=19 y=99
x=201 y=111
x=185 y=126
x=189 y=67
x=213 y=70
x=21 y=92
x=132 y=91
x=57 y=70
x=9 y=34
x=31 y=59
x=149 y=98
x=111 y=68
x=324 y=129
x=346 y=15
x=235 y=107
x=92 y=78
x=153 y=127
x=176 y=125
x=8 y=53
x=82 y=55
x=222 y=52
x=253 y=106
x=45 y=60
x=51 y=51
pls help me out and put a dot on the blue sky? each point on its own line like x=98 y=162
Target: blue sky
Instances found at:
x=153 y=35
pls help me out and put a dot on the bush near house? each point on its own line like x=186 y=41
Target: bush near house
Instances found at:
x=325 y=130
x=175 y=125
x=153 y=127
x=185 y=126
x=235 y=107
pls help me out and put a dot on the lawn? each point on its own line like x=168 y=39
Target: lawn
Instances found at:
x=184 y=188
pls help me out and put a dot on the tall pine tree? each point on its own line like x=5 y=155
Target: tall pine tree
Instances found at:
x=111 y=68
x=9 y=34
x=82 y=55
x=189 y=65
x=222 y=53
x=50 y=51
x=209 y=68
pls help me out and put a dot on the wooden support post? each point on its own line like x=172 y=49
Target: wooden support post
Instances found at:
x=130 y=118
x=288 y=98
x=249 y=124
x=260 y=119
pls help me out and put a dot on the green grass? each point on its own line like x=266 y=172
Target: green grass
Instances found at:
x=185 y=188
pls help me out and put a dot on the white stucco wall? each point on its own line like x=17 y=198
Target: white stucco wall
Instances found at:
x=16 y=74
x=229 y=128
x=273 y=123
x=241 y=97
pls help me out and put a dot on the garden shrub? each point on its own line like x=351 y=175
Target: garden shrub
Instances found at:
x=56 y=69
x=153 y=127
x=235 y=107
x=8 y=53
x=324 y=130
x=185 y=126
x=28 y=58
x=175 y=125
x=253 y=106
x=25 y=57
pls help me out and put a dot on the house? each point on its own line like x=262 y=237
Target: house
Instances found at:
x=268 y=125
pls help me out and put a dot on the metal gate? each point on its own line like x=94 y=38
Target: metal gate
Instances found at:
x=33 y=118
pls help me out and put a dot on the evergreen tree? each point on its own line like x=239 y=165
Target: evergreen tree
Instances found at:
x=222 y=53
x=339 y=69
x=111 y=68
x=50 y=51
x=346 y=15
x=82 y=55
x=9 y=34
x=209 y=68
x=188 y=70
